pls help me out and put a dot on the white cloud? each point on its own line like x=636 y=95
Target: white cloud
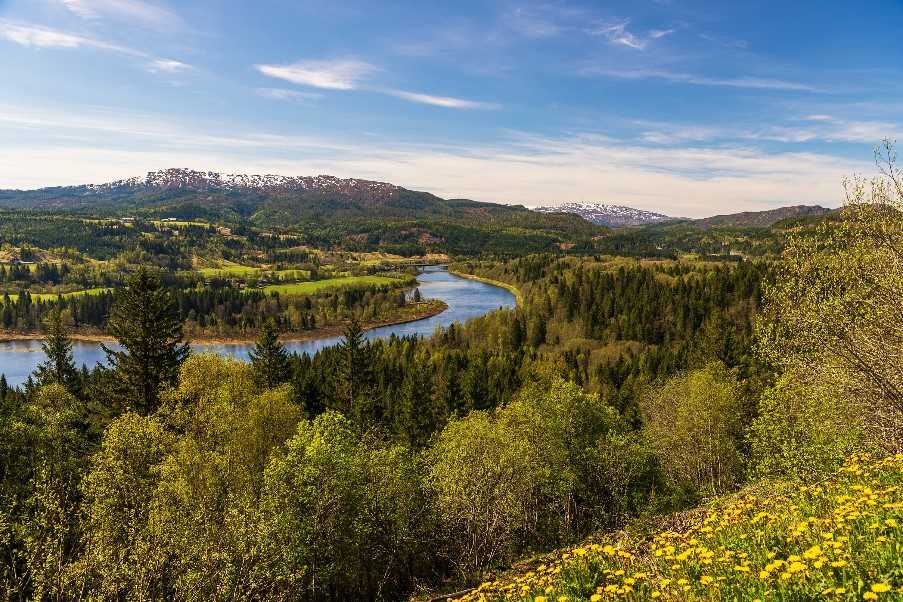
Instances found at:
x=348 y=74
x=756 y=83
x=617 y=33
x=66 y=147
x=43 y=37
x=132 y=11
x=167 y=66
x=283 y=94
x=442 y=101
x=340 y=74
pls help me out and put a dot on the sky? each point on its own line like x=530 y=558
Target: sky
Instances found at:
x=689 y=108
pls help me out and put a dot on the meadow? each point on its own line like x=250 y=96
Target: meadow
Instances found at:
x=838 y=539
x=315 y=286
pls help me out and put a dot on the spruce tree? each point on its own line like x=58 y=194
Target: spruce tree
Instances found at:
x=269 y=358
x=59 y=367
x=353 y=355
x=145 y=321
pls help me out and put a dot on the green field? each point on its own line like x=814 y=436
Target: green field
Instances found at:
x=180 y=224
x=53 y=296
x=227 y=271
x=309 y=288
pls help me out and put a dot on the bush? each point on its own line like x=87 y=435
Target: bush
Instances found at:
x=694 y=423
x=802 y=432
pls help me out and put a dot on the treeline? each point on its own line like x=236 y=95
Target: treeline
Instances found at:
x=615 y=325
x=218 y=311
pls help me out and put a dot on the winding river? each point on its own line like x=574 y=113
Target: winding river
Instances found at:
x=465 y=298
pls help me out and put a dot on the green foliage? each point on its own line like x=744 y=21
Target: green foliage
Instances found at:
x=802 y=431
x=694 y=422
x=42 y=459
x=539 y=471
x=145 y=321
x=59 y=366
x=835 y=310
x=122 y=559
x=341 y=518
x=269 y=358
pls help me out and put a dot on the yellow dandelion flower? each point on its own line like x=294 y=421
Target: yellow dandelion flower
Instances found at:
x=880 y=588
x=869 y=596
x=813 y=552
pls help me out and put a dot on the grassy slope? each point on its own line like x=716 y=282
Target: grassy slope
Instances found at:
x=309 y=288
x=839 y=539
x=53 y=296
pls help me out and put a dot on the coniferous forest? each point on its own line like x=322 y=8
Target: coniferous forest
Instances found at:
x=622 y=399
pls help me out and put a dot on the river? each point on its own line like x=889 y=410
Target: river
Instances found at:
x=465 y=298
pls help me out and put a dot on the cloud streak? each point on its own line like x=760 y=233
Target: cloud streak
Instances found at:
x=618 y=34
x=340 y=74
x=168 y=66
x=131 y=11
x=447 y=102
x=755 y=83
x=351 y=74
x=44 y=37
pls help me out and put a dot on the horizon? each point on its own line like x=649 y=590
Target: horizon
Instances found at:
x=692 y=109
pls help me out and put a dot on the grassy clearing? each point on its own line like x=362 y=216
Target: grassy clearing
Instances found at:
x=53 y=296
x=229 y=271
x=309 y=288
x=838 y=540
x=180 y=224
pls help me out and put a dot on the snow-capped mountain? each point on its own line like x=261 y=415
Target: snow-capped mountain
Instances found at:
x=607 y=215
x=210 y=180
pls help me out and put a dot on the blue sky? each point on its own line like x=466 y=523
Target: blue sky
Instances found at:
x=691 y=108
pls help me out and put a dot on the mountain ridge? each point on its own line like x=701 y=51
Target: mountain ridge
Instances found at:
x=604 y=214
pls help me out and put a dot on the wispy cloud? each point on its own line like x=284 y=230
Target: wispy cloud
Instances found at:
x=339 y=74
x=350 y=74
x=283 y=94
x=617 y=33
x=167 y=66
x=26 y=34
x=132 y=11
x=756 y=83
x=448 y=102
x=533 y=22
x=695 y=180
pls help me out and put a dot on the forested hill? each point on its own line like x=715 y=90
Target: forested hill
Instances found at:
x=324 y=210
x=277 y=200
x=761 y=219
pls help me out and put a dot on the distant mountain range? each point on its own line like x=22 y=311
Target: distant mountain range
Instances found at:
x=330 y=210
x=608 y=215
x=616 y=216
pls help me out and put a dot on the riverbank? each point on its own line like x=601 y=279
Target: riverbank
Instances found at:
x=508 y=287
x=431 y=307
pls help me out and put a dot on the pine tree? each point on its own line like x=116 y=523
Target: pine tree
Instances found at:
x=59 y=366
x=269 y=358
x=353 y=354
x=145 y=321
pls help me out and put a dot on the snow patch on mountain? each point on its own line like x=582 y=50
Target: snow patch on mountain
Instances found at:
x=210 y=180
x=607 y=215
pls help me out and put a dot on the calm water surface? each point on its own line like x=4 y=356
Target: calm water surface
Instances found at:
x=465 y=298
